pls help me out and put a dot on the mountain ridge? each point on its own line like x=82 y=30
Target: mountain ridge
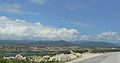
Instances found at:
x=60 y=43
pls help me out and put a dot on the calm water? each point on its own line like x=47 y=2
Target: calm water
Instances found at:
x=23 y=53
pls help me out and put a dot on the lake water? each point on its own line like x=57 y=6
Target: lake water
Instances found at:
x=23 y=53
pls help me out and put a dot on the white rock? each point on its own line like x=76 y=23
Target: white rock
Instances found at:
x=20 y=57
x=45 y=58
x=8 y=57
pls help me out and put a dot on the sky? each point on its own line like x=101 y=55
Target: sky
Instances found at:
x=70 y=20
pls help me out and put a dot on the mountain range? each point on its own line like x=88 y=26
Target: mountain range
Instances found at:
x=60 y=43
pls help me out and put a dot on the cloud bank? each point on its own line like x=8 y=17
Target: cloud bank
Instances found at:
x=105 y=36
x=21 y=30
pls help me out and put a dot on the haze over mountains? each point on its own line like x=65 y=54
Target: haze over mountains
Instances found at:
x=59 y=43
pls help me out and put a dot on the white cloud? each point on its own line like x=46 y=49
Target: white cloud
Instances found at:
x=109 y=36
x=106 y=36
x=39 y=2
x=20 y=29
x=14 y=8
x=10 y=8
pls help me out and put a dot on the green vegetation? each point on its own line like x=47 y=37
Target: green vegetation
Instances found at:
x=24 y=61
x=50 y=53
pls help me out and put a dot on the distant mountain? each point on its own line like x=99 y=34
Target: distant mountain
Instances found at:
x=59 y=43
x=95 y=44
x=118 y=43
x=35 y=42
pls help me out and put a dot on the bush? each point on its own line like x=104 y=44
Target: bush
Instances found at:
x=24 y=61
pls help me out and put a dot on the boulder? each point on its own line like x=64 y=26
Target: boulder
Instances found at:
x=19 y=57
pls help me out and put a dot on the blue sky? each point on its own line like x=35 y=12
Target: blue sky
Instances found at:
x=86 y=16
x=96 y=15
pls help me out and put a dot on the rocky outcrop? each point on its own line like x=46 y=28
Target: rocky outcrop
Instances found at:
x=19 y=57
x=65 y=57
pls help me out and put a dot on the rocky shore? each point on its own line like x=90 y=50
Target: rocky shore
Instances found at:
x=58 y=57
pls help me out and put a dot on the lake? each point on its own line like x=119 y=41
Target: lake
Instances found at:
x=7 y=54
x=23 y=53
